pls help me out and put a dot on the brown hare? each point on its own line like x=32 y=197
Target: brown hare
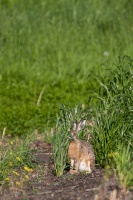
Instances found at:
x=80 y=152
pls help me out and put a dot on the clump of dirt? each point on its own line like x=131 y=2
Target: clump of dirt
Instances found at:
x=45 y=185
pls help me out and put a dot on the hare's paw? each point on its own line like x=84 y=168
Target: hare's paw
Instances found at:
x=73 y=171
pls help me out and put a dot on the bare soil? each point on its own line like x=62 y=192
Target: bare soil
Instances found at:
x=46 y=186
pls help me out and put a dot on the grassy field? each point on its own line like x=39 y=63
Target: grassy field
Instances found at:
x=56 y=53
x=48 y=49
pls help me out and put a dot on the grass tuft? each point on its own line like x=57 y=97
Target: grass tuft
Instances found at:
x=124 y=167
x=62 y=137
x=114 y=111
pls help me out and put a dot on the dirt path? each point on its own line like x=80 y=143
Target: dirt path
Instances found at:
x=71 y=187
x=46 y=186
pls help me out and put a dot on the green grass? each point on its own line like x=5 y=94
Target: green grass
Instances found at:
x=61 y=139
x=53 y=47
x=114 y=119
x=124 y=167
x=15 y=160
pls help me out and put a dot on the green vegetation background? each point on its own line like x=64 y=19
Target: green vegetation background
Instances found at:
x=47 y=51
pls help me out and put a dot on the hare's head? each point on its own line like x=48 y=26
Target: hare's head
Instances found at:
x=77 y=127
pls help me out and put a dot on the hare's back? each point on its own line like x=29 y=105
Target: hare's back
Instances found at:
x=86 y=147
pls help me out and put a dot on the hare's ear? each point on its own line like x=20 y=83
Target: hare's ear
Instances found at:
x=81 y=125
x=74 y=126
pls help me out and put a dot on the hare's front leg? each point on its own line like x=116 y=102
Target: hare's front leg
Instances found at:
x=71 y=166
x=75 y=168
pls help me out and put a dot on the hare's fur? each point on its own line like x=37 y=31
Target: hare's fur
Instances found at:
x=80 y=152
